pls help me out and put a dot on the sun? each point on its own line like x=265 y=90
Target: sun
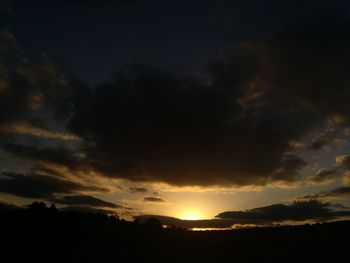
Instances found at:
x=191 y=214
x=191 y=217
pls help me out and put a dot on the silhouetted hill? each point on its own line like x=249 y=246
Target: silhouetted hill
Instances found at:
x=71 y=236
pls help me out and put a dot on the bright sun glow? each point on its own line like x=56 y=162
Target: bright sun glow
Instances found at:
x=191 y=215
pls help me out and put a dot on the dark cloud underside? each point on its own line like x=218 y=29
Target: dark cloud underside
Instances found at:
x=83 y=200
x=39 y=186
x=324 y=176
x=297 y=211
x=137 y=190
x=343 y=191
x=153 y=199
x=150 y=125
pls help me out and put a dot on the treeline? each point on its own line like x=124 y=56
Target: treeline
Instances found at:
x=47 y=234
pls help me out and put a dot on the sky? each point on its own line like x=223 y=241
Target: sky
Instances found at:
x=235 y=112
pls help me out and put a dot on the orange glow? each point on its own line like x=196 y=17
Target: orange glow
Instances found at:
x=191 y=214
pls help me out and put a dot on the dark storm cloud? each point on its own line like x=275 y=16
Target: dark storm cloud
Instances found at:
x=146 y=124
x=297 y=211
x=309 y=61
x=39 y=186
x=174 y=129
x=323 y=176
x=83 y=200
x=153 y=199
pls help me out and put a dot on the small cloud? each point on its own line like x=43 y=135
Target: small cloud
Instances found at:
x=343 y=161
x=153 y=199
x=342 y=192
x=323 y=140
x=323 y=176
x=25 y=128
x=138 y=190
x=297 y=144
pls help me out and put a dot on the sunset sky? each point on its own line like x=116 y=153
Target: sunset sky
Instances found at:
x=213 y=109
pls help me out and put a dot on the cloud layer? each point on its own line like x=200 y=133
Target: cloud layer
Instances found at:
x=297 y=211
x=83 y=200
x=147 y=124
x=39 y=186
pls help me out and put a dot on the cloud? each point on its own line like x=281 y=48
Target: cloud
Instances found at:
x=297 y=211
x=18 y=127
x=290 y=166
x=323 y=176
x=39 y=186
x=346 y=178
x=266 y=92
x=137 y=190
x=150 y=125
x=153 y=199
x=85 y=209
x=83 y=200
x=343 y=161
x=340 y=192
x=323 y=140
x=201 y=135
x=309 y=58
x=35 y=95
x=28 y=87
x=56 y=155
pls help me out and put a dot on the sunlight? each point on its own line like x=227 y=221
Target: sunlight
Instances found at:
x=191 y=215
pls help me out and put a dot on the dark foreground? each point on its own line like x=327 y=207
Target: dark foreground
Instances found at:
x=49 y=235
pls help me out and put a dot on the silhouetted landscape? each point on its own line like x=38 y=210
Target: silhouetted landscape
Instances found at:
x=174 y=131
x=77 y=236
